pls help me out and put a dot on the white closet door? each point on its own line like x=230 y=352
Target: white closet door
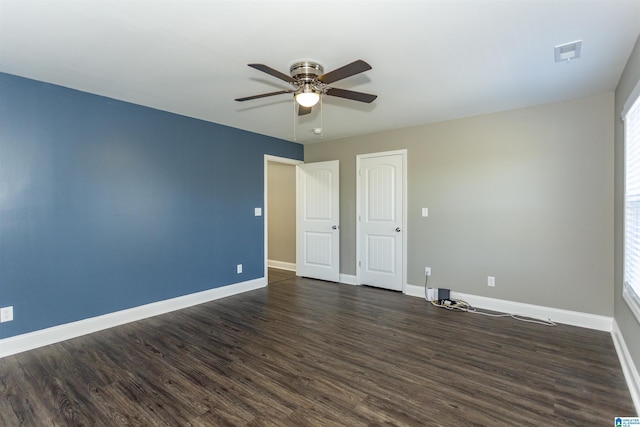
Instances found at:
x=317 y=225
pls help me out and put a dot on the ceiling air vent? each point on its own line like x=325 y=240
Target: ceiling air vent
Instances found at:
x=568 y=51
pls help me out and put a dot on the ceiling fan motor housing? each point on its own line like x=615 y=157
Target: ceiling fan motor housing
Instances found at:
x=306 y=71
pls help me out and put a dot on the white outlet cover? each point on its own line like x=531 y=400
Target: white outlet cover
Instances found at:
x=6 y=314
x=425 y=212
x=239 y=268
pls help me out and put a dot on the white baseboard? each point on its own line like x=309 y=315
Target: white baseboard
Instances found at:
x=348 y=279
x=414 y=291
x=32 y=340
x=567 y=317
x=628 y=367
x=289 y=266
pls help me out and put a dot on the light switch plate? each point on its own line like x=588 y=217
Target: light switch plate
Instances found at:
x=6 y=314
x=425 y=212
x=258 y=211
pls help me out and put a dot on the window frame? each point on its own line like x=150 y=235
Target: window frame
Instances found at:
x=629 y=294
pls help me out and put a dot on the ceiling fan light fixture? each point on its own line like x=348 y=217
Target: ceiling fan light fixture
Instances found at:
x=308 y=97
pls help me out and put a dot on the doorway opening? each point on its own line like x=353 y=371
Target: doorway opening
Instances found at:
x=279 y=213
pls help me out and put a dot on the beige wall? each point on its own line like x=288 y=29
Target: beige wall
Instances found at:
x=626 y=321
x=281 y=188
x=523 y=195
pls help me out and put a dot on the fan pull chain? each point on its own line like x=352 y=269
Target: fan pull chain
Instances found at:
x=294 y=119
x=321 y=120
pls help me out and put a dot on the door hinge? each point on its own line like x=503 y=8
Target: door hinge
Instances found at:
x=359 y=263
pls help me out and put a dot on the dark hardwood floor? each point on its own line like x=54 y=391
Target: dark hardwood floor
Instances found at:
x=277 y=275
x=305 y=352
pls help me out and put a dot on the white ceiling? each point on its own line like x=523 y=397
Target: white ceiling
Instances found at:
x=432 y=60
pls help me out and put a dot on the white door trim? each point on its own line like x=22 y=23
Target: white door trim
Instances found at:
x=405 y=233
x=269 y=158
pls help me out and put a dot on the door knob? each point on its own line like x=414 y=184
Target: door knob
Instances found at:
x=397 y=229
x=335 y=227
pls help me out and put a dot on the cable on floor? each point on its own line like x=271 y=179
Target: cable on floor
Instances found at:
x=465 y=307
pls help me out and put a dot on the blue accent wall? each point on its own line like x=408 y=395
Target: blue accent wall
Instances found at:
x=106 y=205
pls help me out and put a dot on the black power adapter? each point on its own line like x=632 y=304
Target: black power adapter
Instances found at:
x=443 y=295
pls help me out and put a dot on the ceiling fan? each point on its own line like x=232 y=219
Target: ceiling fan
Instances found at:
x=309 y=83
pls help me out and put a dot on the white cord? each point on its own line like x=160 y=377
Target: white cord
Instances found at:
x=465 y=307
x=520 y=317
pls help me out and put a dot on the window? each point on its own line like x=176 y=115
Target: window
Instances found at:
x=631 y=117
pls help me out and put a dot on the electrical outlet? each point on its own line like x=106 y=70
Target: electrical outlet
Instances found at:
x=427 y=271
x=491 y=281
x=239 y=268
x=6 y=314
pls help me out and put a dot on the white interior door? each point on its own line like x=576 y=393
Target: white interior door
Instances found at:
x=317 y=225
x=381 y=220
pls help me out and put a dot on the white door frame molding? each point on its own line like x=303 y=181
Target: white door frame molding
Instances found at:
x=405 y=233
x=269 y=158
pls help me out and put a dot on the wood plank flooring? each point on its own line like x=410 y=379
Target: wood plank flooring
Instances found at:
x=277 y=275
x=304 y=352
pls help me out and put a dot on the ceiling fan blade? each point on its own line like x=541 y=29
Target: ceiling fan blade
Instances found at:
x=350 y=94
x=303 y=110
x=274 y=73
x=264 y=95
x=348 y=70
